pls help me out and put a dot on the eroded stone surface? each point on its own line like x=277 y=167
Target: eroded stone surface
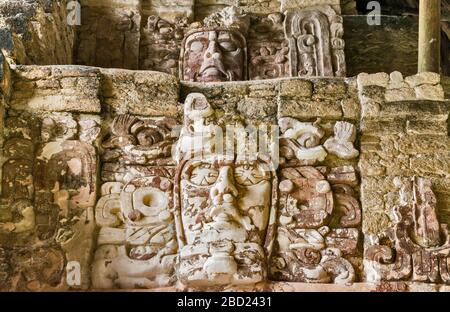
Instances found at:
x=224 y=205
x=317 y=50
x=108 y=182
x=419 y=240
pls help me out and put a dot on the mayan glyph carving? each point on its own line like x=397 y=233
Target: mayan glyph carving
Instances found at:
x=315 y=42
x=318 y=222
x=300 y=142
x=66 y=193
x=341 y=144
x=216 y=50
x=160 y=44
x=417 y=246
x=50 y=195
x=267 y=48
x=139 y=141
x=224 y=207
x=137 y=245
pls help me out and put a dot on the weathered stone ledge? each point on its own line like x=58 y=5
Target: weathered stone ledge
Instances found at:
x=313 y=287
x=84 y=89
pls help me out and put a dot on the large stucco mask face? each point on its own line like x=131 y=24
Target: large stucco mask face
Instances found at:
x=214 y=55
x=224 y=207
x=225 y=200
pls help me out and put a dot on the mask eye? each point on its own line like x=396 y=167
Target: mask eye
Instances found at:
x=248 y=174
x=228 y=46
x=203 y=175
x=196 y=46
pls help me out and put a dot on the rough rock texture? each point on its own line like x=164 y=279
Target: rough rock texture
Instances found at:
x=56 y=88
x=36 y=32
x=139 y=92
x=403 y=138
x=446 y=85
x=109 y=34
x=389 y=47
x=299 y=98
x=86 y=89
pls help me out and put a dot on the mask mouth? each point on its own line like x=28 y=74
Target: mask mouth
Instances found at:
x=213 y=73
x=224 y=212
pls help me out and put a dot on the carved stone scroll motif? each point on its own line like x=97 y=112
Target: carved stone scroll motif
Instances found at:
x=418 y=246
x=315 y=42
x=137 y=245
x=300 y=142
x=267 y=48
x=318 y=225
x=139 y=141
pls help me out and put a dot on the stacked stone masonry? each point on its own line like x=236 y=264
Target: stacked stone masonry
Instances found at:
x=106 y=185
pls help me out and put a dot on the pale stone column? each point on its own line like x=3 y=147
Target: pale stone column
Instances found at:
x=429 y=35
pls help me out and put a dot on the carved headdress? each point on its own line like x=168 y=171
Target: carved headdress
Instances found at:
x=231 y=18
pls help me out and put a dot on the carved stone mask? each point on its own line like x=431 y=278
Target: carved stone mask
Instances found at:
x=224 y=206
x=214 y=55
x=225 y=200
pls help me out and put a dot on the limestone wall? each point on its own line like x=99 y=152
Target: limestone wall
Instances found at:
x=78 y=140
x=36 y=32
x=404 y=133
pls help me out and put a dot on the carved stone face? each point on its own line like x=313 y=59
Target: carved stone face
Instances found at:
x=225 y=200
x=225 y=208
x=214 y=55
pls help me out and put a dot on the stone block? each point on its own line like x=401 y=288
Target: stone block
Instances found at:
x=423 y=78
x=308 y=109
x=296 y=88
x=142 y=93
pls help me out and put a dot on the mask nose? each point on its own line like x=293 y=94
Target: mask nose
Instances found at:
x=213 y=51
x=224 y=191
x=212 y=56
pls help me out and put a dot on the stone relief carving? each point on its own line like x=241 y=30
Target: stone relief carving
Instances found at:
x=139 y=141
x=300 y=142
x=216 y=50
x=50 y=195
x=341 y=144
x=231 y=46
x=160 y=44
x=199 y=215
x=224 y=210
x=137 y=246
x=66 y=172
x=315 y=42
x=268 y=49
x=318 y=224
x=417 y=246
